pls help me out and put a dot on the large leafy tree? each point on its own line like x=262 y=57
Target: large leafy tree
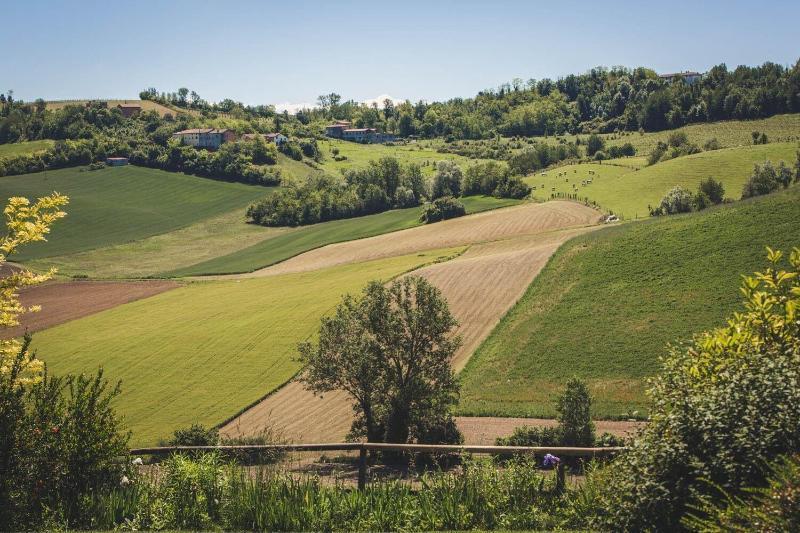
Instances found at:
x=390 y=351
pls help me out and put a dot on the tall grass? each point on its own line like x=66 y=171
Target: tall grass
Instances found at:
x=208 y=493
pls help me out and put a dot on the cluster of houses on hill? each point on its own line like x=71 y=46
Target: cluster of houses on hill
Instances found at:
x=213 y=138
x=343 y=129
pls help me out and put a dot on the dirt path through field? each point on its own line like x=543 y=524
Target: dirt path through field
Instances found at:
x=480 y=286
x=499 y=224
x=65 y=301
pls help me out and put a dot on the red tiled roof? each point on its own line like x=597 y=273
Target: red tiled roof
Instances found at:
x=199 y=130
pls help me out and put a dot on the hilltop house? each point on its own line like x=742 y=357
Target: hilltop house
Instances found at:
x=276 y=138
x=129 y=110
x=341 y=129
x=205 y=137
x=688 y=77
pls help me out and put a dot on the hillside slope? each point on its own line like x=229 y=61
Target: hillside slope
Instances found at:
x=627 y=191
x=608 y=303
x=117 y=205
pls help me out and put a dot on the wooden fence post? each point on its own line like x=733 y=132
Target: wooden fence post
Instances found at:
x=362 y=468
x=561 y=477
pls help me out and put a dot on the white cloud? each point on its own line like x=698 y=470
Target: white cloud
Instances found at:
x=294 y=108
x=380 y=99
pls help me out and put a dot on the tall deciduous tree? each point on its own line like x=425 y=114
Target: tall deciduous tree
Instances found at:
x=390 y=351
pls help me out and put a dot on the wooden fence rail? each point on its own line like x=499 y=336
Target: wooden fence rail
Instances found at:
x=364 y=447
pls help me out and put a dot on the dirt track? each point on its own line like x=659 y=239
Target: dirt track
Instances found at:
x=62 y=302
x=500 y=224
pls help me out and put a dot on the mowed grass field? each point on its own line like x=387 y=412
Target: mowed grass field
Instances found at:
x=24 y=148
x=627 y=191
x=359 y=155
x=116 y=205
x=203 y=352
x=608 y=303
x=153 y=256
x=284 y=246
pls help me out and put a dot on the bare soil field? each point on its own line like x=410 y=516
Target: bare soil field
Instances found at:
x=480 y=286
x=65 y=301
x=526 y=219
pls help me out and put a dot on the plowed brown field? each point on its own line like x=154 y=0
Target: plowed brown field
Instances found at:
x=62 y=302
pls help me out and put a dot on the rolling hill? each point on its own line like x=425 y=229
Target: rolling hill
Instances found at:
x=203 y=352
x=628 y=191
x=117 y=205
x=609 y=302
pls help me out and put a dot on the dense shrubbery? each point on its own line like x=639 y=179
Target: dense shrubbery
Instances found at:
x=233 y=161
x=493 y=179
x=60 y=442
x=771 y=508
x=676 y=146
x=206 y=494
x=767 y=178
x=540 y=156
x=721 y=407
x=575 y=426
x=383 y=185
x=680 y=200
x=442 y=209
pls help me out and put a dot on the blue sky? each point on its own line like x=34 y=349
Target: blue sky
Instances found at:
x=292 y=51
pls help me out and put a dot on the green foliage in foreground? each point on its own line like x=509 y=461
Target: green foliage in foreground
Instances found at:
x=774 y=507
x=608 y=302
x=280 y=248
x=60 y=442
x=205 y=494
x=117 y=205
x=722 y=407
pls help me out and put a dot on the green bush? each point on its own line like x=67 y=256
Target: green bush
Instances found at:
x=767 y=178
x=771 y=508
x=442 y=209
x=493 y=179
x=195 y=435
x=574 y=415
x=60 y=442
x=722 y=406
x=677 y=200
x=709 y=192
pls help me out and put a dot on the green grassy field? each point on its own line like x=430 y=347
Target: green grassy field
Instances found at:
x=282 y=247
x=118 y=205
x=608 y=302
x=152 y=256
x=24 y=148
x=359 y=155
x=628 y=192
x=202 y=352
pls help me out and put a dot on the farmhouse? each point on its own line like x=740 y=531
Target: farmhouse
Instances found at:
x=341 y=130
x=688 y=77
x=276 y=138
x=129 y=110
x=205 y=137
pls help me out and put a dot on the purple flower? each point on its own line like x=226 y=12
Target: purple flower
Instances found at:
x=551 y=460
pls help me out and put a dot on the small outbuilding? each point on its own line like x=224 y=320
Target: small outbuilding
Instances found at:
x=116 y=161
